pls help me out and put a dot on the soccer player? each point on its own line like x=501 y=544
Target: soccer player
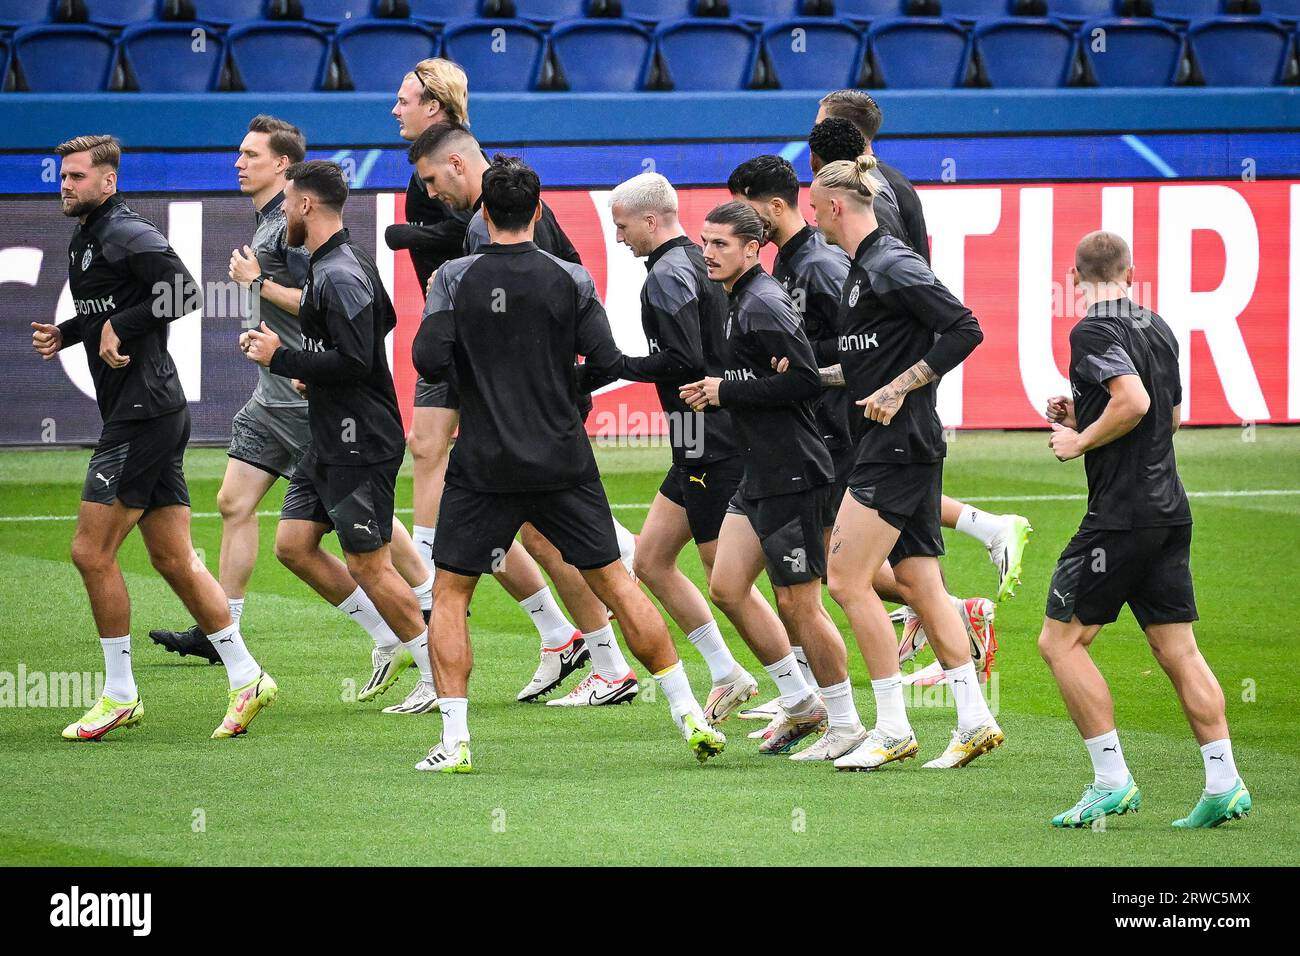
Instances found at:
x=682 y=315
x=505 y=326
x=813 y=272
x=452 y=164
x=127 y=284
x=779 y=515
x=900 y=329
x=1134 y=542
x=437 y=91
x=345 y=480
x=1003 y=536
x=269 y=434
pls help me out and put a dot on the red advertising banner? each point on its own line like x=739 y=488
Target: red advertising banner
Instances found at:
x=1220 y=261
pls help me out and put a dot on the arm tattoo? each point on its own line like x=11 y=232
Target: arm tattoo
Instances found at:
x=832 y=376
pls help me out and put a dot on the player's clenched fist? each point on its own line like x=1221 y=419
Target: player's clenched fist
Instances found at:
x=109 y=344
x=259 y=344
x=46 y=340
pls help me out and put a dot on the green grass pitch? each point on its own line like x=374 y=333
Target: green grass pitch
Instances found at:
x=323 y=781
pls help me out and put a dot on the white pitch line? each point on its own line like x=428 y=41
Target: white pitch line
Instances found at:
x=638 y=506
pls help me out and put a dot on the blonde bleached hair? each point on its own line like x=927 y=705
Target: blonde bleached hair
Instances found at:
x=647 y=192
x=104 y=150
x=852 y=176
x=445 y=82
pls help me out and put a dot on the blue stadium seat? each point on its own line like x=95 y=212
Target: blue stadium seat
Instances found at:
x=968 y=10
x=1024 y=52
x=918 y=53
x=1076 y=11
x=704 y=54
x=333 y=12
x=4 y=62
x=279 y=57
x=827 y=53
x=861 y=11
x=657 y=11
x=378 y=53
x=163 y=59
x=1240 y=51
x=764 y=10
x=444 y=11
x=499 y=56
x=226 y=12
x=20 y=13
x=550 y=11
x=1181 y=11
x=1137 y=52
x=65 y=57
x=1286 y=10
x=603 y=56
x=121 y=13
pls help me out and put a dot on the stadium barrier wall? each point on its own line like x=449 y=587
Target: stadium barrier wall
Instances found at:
x=1220 y=260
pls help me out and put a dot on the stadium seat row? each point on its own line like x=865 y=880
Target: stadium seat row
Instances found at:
x=331 y=13
x=598 y=55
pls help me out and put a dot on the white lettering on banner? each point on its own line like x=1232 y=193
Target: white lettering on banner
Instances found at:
x=1220 y=209
x=385 y=216
x=624 y=276
x=1117 y=213
x=1038 y=370
x=73 y=360
x=951 y=216
x=1293 y=325
x=185 y=335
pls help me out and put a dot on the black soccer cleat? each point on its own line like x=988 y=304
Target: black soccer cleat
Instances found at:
x=185 y=643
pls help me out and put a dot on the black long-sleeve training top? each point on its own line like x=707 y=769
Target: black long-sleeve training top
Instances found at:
x=345 y=314
x=890 y=312
x=812 y=272
x=433 y=232
x=911 y=213
x=682 y=315
x=122 y=269
x=772 y=411
x=504 y=326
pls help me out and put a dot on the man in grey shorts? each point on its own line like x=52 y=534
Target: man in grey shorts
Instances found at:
x=269 y=433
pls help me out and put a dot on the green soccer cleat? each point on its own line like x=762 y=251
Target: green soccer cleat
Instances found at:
x=246 y=703
x=1007 y=552
x=1097 y=803
x=704 y=741
x=1214 y=809
x=106 y=715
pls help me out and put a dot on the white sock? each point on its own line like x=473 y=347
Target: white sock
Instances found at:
x=626 y=545
x=789 y=680
x=1109 y=770
x=802 y=658
x=424 y=594
x=423 y=538
x=677 y=689
x=708 y=641
x=891 y=712
x=419 y=648
x=841 y=714
x=606 y=655
x=455 y=721
x=119 y=682
x=553 y=627
x=236 y=606
x=240 y=666
x=1220 y=768
x=980 y=525
x=972 y=709
x=361 y=609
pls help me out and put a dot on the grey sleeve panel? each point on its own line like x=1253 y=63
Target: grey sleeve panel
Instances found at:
x=895 y=266
x=347 y=285
x=1099 y=369
x=671 y=283
x=476 y=234
x=442 y=296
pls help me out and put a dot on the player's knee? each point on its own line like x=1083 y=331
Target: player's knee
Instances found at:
x=650 y=568
x=725 y=594
x=843 y=586
x=230 y=506
x=290 y=552
x=425 y=448
x=88 y=558
x=172 y=565
x=1054 y=643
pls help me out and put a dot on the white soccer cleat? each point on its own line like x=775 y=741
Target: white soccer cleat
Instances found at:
x=764 y=712
x=794 y=727
x=442 y=759
x=929 y=675
x=979 y=614
x=556 y=664
x=963 y=748
x=724 y=698
x=766 y=730
x=878 y=749
x=1007 y=552
x=387 y=665
x=422 y=699
x=595 y=691
x=913 y=635
x=832 y=745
